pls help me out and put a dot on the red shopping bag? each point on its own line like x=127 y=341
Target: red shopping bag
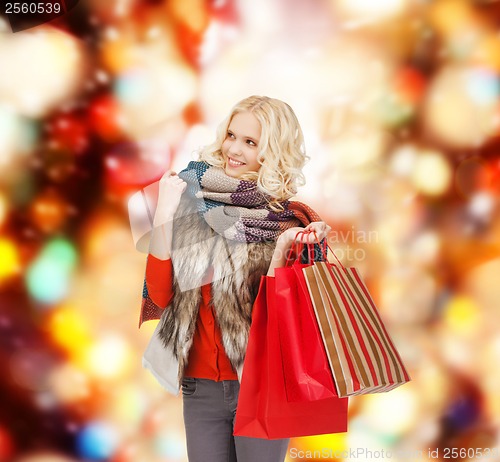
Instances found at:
x=263 y=410
x=306 y=370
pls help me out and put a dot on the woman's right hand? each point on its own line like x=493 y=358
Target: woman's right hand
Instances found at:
x=169 y=197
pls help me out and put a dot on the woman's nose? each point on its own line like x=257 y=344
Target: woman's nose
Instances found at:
x=236 y=148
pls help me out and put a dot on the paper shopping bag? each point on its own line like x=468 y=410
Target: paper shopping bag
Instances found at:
x=362 y=356
x=263 y=410
x=307 y=371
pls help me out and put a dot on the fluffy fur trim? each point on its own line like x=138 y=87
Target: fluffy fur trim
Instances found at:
x=238 y=268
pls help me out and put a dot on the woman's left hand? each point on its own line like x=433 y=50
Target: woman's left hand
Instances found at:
x=320 y=228
x=312 y=233
x=305 y=235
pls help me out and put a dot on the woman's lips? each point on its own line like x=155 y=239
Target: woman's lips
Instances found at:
x=234 y=164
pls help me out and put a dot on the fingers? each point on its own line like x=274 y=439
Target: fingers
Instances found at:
x=168 y=174
x=315 y=232
x=171 y=178
x=318 y=226
x=306 y=237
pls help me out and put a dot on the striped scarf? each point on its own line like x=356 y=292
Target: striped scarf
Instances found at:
x=237 y=209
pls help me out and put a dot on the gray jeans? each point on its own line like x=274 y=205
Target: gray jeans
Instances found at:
x=209 y=408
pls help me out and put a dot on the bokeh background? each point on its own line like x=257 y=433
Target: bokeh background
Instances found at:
x=399 y=103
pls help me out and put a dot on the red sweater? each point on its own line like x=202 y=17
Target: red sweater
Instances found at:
x=207 y=357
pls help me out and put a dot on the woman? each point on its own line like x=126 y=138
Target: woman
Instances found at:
x=220 y=225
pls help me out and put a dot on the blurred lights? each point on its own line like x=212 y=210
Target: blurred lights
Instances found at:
x=152 y=94
x=462 y=316
x=104 y=117
x=463 y=43
x=357 y=148
x=482 y=284
x=395 y=413
x=191 y=13
x=434 y=383
x=487 y=51
x=409 y=83
x=432 y=173
x=118 y=52
x=482 y=86
x=450 y=16
x=334 y=442
x=392 y=111
x=9 y=123
x=466 y=35
x=63 y=251
x=426 y=246
x=6 y=444
x=109 y=357
x=137 y=163
x=108 y=238
x=170 y=446
x=69 y=384
x=44 y=68
x=127 y=406
x=48 y=277
x=49 y=211
x=407 y=294
x=462 y=107
x=43 y=456
x=30 y=368
x=471 y=174
x=17 y=136
x=68 y=133
x=397 y=103
x=481 y=205
x=403 y=160
x=97 y=441
x=9 y=259
x=380 y=8
x=362 y=435
x=70 y=330
x=132 y=87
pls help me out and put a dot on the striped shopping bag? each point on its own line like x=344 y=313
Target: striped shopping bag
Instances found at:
x=362 y=356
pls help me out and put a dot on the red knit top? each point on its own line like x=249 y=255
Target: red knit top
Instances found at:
x=207 y=357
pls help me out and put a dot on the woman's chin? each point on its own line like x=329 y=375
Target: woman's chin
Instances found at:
x=231 y=172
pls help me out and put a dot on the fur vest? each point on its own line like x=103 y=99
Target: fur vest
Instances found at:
x=238 y=267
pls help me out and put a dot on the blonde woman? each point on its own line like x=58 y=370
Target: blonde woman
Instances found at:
x=219 y=226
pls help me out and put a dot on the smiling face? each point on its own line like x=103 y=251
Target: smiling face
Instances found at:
x=241 y=145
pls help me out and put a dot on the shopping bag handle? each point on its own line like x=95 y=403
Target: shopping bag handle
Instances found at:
x=310 y=249
x=298 y=252
x=323 y=249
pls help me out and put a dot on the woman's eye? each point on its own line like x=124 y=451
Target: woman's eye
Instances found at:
x=230 y=135
x=251 y=143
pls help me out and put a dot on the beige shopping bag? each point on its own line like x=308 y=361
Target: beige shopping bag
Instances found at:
x=362 y=356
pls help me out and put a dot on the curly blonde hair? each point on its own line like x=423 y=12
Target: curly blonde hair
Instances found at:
x=281 y=154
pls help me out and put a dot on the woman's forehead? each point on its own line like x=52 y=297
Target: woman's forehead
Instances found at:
x=245 y=124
